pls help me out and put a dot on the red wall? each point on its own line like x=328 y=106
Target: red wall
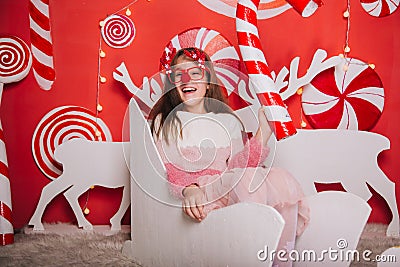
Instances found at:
x=76 y=35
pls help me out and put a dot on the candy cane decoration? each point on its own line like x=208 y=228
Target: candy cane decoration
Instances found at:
x=257 y=68
x=15 y=63
x=41 y=43
x=305 y=7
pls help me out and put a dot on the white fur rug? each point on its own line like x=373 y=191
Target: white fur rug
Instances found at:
x=66 y=245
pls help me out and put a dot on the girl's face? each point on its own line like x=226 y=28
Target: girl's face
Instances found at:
x=191 y=83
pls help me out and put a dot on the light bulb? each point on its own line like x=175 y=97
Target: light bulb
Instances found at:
x=98 y=133
x=86 y=211
x=128 y=12
x=303 y=124
x=102 y=53
x=347 y=49
x=371 y=65
x=300 y=91
x=99 y=108
x=103 y=79
x=102 y=23
x=346 y=14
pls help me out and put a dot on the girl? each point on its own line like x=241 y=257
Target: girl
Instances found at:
x=201 y=143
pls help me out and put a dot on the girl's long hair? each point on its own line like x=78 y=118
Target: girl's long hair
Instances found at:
x=163 y=114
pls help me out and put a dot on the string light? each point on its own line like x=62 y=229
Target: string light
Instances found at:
x=299 y=91
x=346 y=14
x=101 y=79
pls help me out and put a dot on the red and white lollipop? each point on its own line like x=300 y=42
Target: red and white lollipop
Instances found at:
x=15 y=59
x=222 y=53
x=15 y=63
x=58 y=126
x=380 y=8
x=344 y=99
x=118 y=31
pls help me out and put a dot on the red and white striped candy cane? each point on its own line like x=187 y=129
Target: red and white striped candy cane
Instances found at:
x=257 y=68
x=41 y=43
x=15 y=63
x=6 y=227
x=305 y=7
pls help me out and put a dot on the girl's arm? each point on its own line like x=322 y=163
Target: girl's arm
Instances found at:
x=255 y=151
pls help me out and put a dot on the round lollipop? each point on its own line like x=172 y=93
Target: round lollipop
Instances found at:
x=348 y=96
x=118 y=31
x=15 y=59
x=58 y=126
x=15 y=63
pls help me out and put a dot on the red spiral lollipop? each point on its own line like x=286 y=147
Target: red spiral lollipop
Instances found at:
x=15 y=59
x=257 y=68
x=15 y=63
x=118 y=31
x=60 y=125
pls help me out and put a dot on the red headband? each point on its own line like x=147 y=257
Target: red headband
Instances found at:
x=195 y=54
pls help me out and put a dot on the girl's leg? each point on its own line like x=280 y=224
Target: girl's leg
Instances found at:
x=288 y=237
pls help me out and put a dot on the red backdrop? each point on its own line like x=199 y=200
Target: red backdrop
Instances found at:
x=76 y=35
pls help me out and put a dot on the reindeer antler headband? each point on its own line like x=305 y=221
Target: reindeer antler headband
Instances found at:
x=195 y=53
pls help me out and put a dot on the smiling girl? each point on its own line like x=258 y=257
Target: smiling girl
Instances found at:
x=209 y=165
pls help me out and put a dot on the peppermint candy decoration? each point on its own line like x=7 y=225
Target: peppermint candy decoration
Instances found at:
x=379 y=8
x=340 y=99
x=118 y=31
x=15 y=59
x=60 y=125
x=222 y=53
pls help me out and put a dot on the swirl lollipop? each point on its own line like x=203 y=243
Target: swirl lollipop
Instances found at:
x=15 y=63
x=118 y=31
x=58 y=126
x=15 y=59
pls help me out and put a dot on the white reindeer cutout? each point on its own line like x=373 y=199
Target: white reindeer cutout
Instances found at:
x=85 y=164
x=325 y=156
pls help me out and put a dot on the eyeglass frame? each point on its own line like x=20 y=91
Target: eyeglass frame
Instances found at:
x=186 y=72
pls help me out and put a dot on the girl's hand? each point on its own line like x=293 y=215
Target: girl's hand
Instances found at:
x=264 y=131
x=193 y=202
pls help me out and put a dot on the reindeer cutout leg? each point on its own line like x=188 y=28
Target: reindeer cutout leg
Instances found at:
x=125 y=202
x=359 y=189
x=72 y=196
x=49 y=192
x=387 y=189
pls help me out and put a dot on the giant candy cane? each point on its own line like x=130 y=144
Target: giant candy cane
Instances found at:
x=41 y=43
x=257 y=68
x=15 y=63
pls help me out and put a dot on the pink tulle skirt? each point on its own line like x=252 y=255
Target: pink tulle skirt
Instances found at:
x=274 y=187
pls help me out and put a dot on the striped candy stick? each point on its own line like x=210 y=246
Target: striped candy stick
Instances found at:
x=305 y=7
x=6 y=227
x=260 y=76
x=41 y=43
x=15 y=63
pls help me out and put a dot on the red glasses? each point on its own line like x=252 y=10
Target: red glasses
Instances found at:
x=185 y=76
